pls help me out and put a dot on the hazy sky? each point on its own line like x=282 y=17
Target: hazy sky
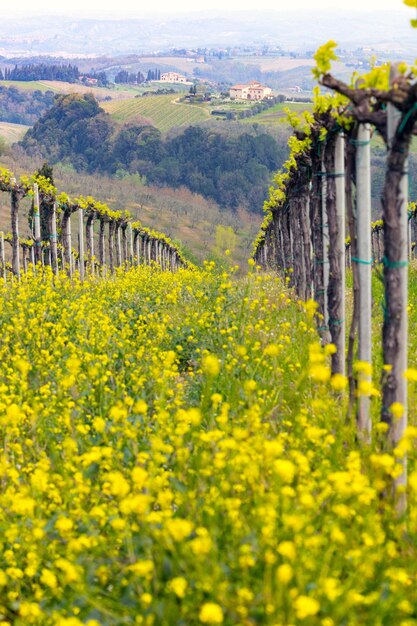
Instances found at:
x=126 y=7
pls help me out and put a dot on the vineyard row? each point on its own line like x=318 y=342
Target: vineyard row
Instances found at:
x=51 y=243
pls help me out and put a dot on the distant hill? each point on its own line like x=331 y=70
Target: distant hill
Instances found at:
x=160 y=111
x=234 y=170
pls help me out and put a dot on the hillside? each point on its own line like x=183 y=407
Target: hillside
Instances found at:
x=12 y=132
x=276 y=115
x=61 y=87
x=233 y=169
x=204 y=229
x=160 y=111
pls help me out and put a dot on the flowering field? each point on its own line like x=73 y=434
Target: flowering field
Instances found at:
x=174 y=453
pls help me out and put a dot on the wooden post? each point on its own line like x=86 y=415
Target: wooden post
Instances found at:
x=2 y=258
x=325 y=236
x=399 y=268
x=118 y=246
x=137 y=248
x=307 y=247
x=81 y=243
x=54 y=241
x=410 y=237
x=125 y=245
x=131 y=253
x=89 y=235
x=15 y=230
x=102 y=244
x=37 y=224
x=112 y=225
x=364 y=262
x=340 y=249
x=164 y=257
x=24 y=258
x=148 y=251
x=66 y=235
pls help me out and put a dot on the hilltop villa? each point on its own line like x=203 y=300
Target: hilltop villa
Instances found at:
x=251 y=91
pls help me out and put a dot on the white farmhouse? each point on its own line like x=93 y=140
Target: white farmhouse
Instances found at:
x=251 y=91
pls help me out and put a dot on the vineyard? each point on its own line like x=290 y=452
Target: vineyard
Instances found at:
x=276 y=115
x=161 y=111
x=183 y=445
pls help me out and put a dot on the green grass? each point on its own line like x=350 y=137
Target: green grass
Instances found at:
x=59 y=87
x=12 y=132
x=169 y=452
x=161 y=110
x=276 y=114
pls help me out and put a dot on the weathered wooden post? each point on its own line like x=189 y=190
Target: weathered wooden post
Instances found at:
x=24 y=258
x=54 y=241
x=131 y=253
x=395 y=340
x=118 y=246
x=81 y=243
x=112 y=226
x=67 y=241
x=125 y=246
x=339 y=359
x=410 y=235
x=137 y=247
x=149 y=250
x=325 y=244
x=37 y=224
x=15 y=199
x=2 y=258
x=102 y=244
x=364 y=261
x=89 y=233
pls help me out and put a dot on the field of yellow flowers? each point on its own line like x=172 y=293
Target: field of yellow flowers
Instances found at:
x=174 y=453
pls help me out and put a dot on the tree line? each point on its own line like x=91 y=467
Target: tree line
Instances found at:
x=42 y=71
x=232 y=170
x=136 y=78
x=124 y=77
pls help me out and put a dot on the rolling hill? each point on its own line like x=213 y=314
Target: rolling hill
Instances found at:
x=161 y=111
